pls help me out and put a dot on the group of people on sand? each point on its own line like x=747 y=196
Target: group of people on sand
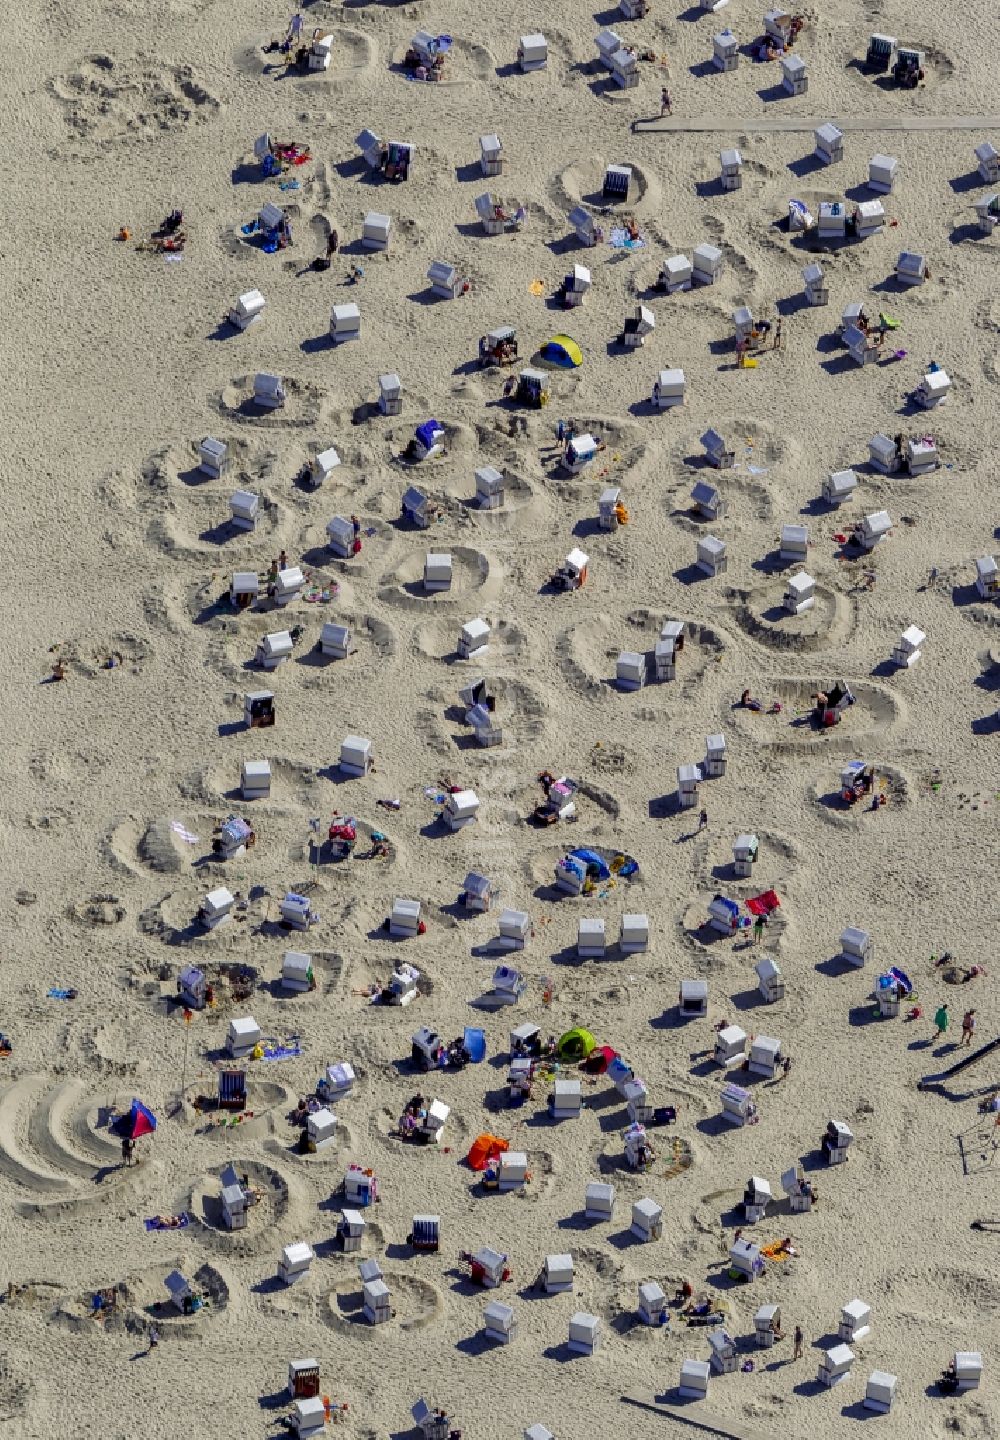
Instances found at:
x=295 y=45
x=758 y=339
x=170 y=238
x=942 y=1020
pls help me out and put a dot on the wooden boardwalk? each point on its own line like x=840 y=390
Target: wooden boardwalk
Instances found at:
x=695 y=1416
x=806 y=124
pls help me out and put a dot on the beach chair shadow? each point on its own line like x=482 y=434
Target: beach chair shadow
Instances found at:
x=961 y=233
x=805 y=165
x=839 y=364
x=962 y=184
x=317 y=344
x=834 y=967
x=691 y=575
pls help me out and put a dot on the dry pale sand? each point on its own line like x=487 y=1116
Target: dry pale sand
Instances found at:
x=115 y=369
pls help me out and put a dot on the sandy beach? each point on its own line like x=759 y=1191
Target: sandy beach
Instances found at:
x=120 y=361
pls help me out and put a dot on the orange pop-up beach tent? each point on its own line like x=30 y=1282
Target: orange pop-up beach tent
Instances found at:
x=484 y=1149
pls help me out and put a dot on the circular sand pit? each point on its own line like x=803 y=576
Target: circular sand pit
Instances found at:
x=415 y=1304
x=875 y=708
x=351 y=54
x=519 y=496
x=582 y=184
x=889 y=782
x=776 y=858
x=267 y=1105
x=199 y=524
x=267 y=1210
x=762 y=614
x=151 y=1300
x=473 y=578
x=588 y=654
x=301 y=406
x=463 y=64
x=437 y=640
x=621 y=881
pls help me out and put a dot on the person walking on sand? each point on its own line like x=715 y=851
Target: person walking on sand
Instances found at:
x=968 y=1027
x=797 y=1352
x=777 y=334
x=666 y=104
x=941 y=1020
x=758 y=930
x=154 y=1339
x=128 y=1150
x=703 y=820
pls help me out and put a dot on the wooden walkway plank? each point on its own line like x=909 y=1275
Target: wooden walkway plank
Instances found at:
x=804 y=124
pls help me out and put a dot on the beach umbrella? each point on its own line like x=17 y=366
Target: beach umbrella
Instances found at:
x=139 y=1121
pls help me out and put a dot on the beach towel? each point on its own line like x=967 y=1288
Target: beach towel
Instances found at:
x=281 y=1050
x=167 y=1222
x=620 y=239
x=625 y=866
x=57 y=994
x=763 y=904
x=183 y=832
